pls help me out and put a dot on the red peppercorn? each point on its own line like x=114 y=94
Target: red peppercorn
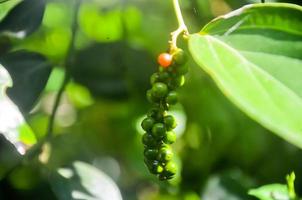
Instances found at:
x=164 y=59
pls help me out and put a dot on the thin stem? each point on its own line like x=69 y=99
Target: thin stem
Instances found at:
x=36 y=149
x=182 y=28
x=178 y=13
x=68 y=63
x=50 y=127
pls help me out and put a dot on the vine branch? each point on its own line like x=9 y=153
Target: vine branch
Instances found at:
x=36 y=149
x=68 y=63
x=182 y=28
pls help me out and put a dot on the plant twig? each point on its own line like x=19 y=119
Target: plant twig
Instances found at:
x=68 y=62
x=182 y=28
x=36 y=149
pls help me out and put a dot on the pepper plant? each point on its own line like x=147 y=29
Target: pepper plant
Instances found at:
x=253 y=54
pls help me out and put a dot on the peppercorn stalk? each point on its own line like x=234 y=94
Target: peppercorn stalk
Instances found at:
x=182 y=28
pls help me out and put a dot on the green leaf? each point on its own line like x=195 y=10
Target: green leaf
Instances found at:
x=9 y=156
x=6 y=6
x=230 y=185
x=13 y=125
x=291 y=185
x=30 y=72
x=271 y=192
x=23 y=19
x=83 y=181
x=254 y=56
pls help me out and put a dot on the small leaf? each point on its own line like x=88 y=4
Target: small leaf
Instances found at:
x=271 y=192
x=23 y=19
x=255 y=56
x=231 y=185
x=97 y=182
x=30 y=72
x=84 y=182
x=291 y=185
x=12 y=124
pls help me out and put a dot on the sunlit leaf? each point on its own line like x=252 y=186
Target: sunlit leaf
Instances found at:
x=254 y=56
x=84 y=181
x=271 y=192
x=79 y=95
x=227 y=186
x=13 y=125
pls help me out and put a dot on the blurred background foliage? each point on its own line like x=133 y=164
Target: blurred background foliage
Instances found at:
x=221 y=152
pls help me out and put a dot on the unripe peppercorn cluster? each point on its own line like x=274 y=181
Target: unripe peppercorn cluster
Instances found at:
x=158 y=124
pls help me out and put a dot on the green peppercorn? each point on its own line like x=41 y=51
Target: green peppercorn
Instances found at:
x=179 y=81
x=155 y=167
x=170 y=122
x=158 y=130
x=165 y=154
x=158 y=153
x=170 y=137
x=163 y=76
x=154 y=78
x=172 y=98
x=162 y=177
x=151 y=98
x=147 y=123
x=182 y=69
x=179 y=57
x=161 y=69
x=159 y=90
x=170 y=169
x=156 y=113
x=176 y=82
x=149 y=140
x=165 y=105
x=150 y=154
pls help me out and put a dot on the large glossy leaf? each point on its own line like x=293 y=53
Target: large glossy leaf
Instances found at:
x=23 y=19
x=254 y=55
x=13 y=125
x=30 y=72
x=84 y=181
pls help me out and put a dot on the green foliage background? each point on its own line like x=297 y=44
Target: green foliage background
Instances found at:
x=221 y=152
